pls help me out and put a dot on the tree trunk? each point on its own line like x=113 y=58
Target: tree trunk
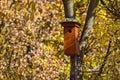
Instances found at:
x=69 y=8
x=76 y=61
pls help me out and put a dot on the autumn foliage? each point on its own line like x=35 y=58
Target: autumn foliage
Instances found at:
x=31 y=41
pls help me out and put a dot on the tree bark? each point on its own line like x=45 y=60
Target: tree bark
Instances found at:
x=85 y=34
x=69 y=8
x=77 y=61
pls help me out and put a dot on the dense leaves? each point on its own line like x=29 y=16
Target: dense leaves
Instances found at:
x=31 y=41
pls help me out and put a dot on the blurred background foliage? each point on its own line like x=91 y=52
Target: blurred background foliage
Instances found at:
x=31 y=41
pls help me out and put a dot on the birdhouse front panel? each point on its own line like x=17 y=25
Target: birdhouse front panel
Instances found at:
x=71 y=39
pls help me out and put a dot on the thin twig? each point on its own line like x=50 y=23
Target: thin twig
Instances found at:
x=104 y=62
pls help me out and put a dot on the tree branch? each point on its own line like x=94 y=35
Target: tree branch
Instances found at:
x=86 y=32
x=104 y=62
x=113 y=9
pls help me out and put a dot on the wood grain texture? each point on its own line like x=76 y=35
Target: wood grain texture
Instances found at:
x=71 y=38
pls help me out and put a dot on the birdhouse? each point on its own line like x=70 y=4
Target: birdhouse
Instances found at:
x=71 y=38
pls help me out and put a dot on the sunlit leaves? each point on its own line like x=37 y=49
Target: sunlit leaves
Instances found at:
x=31 y=41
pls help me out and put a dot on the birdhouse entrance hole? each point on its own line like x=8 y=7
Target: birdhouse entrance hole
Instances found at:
x=69 y=30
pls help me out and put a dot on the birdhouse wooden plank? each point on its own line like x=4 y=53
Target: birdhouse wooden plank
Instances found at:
x=71 y=38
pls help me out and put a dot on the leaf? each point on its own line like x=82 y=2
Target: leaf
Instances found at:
x=32 y=16
x=33 y=6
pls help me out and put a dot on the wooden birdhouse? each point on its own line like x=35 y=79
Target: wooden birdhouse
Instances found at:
x=71 y=38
